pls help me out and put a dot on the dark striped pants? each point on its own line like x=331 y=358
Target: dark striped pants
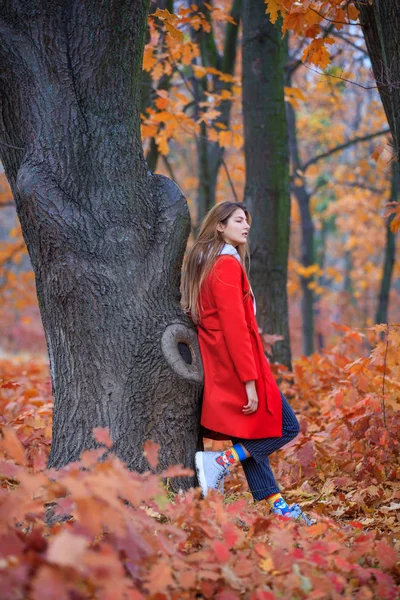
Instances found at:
x=257 y=469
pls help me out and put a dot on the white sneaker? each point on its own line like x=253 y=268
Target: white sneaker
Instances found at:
x=210 y=473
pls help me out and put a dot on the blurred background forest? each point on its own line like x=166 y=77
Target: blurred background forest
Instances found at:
x=342 y=174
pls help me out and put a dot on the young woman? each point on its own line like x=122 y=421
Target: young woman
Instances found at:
x=241 y=400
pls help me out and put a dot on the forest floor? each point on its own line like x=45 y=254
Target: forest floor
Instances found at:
x=343 y=469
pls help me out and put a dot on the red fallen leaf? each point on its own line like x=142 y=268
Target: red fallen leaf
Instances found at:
x=187 y=579
x=230 y=534
x=387 y=556
x=9 y=385
x=228 y=595
x=11 y=444
x=357 y=525
x=102 y=436
x=35 y=541
x=66 y=549
x=150 y=451
x=305 y=454
x=134 y=595
x=160 y=578
x=49 y=583
x=65 y=506
x=263 y=596
x=8 y=469
x=221 y=550
x=11 y=544
x=386 y=588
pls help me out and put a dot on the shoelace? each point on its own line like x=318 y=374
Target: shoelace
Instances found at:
x=298 y=514
x=222 y=474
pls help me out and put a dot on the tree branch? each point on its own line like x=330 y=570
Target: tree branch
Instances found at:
x=343 y=146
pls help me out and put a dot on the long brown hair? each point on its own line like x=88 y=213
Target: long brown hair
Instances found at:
x=203 y=254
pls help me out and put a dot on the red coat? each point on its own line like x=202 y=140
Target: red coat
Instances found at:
x=232 y=353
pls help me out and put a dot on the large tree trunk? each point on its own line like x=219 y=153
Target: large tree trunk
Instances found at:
x=105 y=237
x=390 y=252
x=267 y=169
x=381 y=27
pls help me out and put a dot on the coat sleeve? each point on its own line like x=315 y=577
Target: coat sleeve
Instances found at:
x=228 y=297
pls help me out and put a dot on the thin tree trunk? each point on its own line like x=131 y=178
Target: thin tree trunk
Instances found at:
x=380 y=22
x=105 y=237
x=153 y=153
x=210 y=154
x=307 y=227
x=267 y=169
x=390 y=252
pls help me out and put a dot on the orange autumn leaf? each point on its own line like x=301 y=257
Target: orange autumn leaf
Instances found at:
x=150 y=451
x=317 y=53
x=273 y=8
x=66 y=549
x=102 y=436
x=12 y=446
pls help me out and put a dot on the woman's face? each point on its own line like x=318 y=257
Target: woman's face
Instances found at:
x=236 y=230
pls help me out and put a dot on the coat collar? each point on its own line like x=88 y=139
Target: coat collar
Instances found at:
x=231 y=250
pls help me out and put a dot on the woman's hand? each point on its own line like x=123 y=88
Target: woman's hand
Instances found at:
x=252 y=398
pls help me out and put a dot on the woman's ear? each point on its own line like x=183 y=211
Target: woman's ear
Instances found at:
x=220 y=227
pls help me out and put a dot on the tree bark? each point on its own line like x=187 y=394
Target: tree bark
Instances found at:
x=307 y=226
x=380 y=21
x=390 y=252
x=106 y=237
x=267 y=169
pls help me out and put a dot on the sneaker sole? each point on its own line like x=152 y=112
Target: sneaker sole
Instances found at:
x=201 y=476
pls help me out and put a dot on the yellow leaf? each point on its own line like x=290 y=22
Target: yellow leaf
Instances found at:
x=377 y=152
x=11 y=444
x=181 y=97
x=174 y=32
x=149 y=130
x=162 y=144
x=213 y=135
x=294 y=92
x=149 y=60
x=317 y=53
x=161 y=103
x=308 y=271
x=267 y=564
x=352 y=12
x=272 y=9
x=395 y=224
x=237 y=140
x=163 y=14
x=199 y=71
x=226 y=95
x=225 y=138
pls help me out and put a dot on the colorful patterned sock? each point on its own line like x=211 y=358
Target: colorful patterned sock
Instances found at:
x=277 y=502
x=231 y=455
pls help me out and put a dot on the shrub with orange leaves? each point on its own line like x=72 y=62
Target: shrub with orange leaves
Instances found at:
x=96 y=530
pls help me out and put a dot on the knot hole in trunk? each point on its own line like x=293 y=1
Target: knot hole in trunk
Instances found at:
x=181 y=350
